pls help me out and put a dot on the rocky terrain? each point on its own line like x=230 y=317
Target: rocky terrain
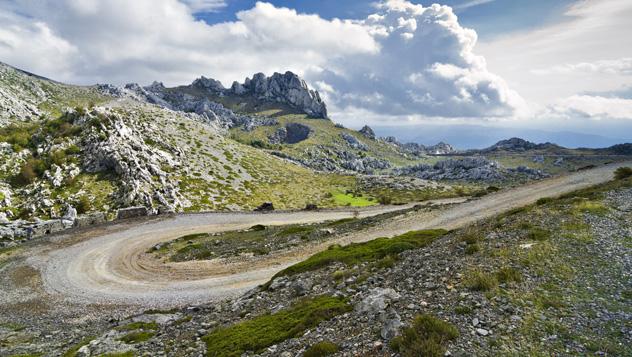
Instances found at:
x=549 y=278
x=470 y=169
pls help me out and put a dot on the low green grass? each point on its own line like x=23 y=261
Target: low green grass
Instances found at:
x=137 y=337
x=508 y=275
x=427 y=336
x=72 y=352
x=321 y=349
x=266 y=330
x=538 y=234
x=348 y=199
x=478 y=280
x=370 y=251
x=139 y=325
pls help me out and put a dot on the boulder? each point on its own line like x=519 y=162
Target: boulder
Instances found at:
x=132 y=212
x=377 y=301
x=367 y=132
x=265 y=207
x=90 y=219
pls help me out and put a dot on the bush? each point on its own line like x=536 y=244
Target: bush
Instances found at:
x=321 y=349
x=480 y=281
x=427 y=336
x=31 y=170
x=370 y=251
x=544 y=200
x=623 y=173
x=385 y=200
x=266 y=330
x=508 y=274
x=538 y=234
x=84 y=205
x=472 y=248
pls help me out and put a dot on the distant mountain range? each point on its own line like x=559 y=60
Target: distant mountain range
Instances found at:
x=478 y=136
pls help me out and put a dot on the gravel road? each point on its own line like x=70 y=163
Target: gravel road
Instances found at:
x=113 y=267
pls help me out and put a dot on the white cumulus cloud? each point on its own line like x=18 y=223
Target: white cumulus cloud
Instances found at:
x=621 y=66
x=406 y=60
x=426 y=66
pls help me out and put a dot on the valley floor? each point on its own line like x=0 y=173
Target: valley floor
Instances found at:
x=551 y=277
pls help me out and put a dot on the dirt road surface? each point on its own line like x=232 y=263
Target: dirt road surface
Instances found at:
x=113 y=266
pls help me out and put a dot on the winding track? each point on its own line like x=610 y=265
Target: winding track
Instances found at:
x=115 y=268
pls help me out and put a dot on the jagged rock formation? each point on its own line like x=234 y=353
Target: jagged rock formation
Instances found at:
x=367 y=132
x=354 y=142
x=285 y=88
x=208 y=111
x=334 y=159
x=518 y=145
x=204 y=94
x=137 y=164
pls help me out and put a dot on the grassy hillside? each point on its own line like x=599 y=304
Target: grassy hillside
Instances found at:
x=325 y=135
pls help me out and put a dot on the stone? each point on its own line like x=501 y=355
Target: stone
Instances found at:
x=354 y=142
x=3 y=218
x=265 y=207
x=391 y=323
x=301 y=287
x=377 y=301
x=367 y=132
x=132 y=212
x=482 y=332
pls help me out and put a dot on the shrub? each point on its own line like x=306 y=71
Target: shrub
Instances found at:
x=57 y=157
x=470 y=236
x=508 y=274
x=623 y=173
x=538 y=234
x=427 y=336
x=480 y=281
x=544 y=200
x=472 y=248
x=385 y=200
x=31 y=170
x=84 y=205
x=321 y=349
x=370 y=251
x=266 y=330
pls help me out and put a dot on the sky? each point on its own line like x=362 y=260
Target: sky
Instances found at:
x=530 y=65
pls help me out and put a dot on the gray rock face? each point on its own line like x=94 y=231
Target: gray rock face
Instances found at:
x=292 y=133
x=468 y=169
x=121 y=149
x=287 y=88
x=198 y=97
x=131 y=212
x=367 y=132
x=377 y=301
x=441 y=149
x=354 y=142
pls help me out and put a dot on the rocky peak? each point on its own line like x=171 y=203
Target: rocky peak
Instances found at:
x=209 y=84
x=367 y=132
x=513 y=144
x=287 y=88
x=441 y=149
